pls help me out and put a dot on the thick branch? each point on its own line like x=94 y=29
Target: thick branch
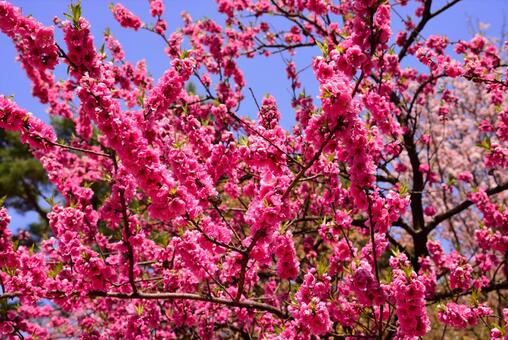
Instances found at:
x=427 y=15
x=308 y=165
x=212 y=240
x=10 y=295
x=490 y=288
x=414 y=34
x=127 y=231
x=171 y=296
x=462 y=206
x=187 y=296
x=245 y=261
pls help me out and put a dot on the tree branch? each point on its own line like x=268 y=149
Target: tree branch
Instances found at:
x=490 y=288
x=196 y=297
x=249 y=304
x=461 y=207
x=427 y=15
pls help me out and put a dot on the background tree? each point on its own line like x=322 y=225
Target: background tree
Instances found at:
x=24 y=182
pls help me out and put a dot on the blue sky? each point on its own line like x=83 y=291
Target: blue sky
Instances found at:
x=264 y=75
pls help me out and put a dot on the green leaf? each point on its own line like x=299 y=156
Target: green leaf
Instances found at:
x=15 y=245
x=57 y=268
x=485 y=143
x=85 y=256
x=244 y=141
x=403 y=189
x=408 y=271
x=323 y=47
x=278 y=329
x=326 y=94
x=191 y=88
x=102 y=49
x=475 y=294
x=322 y=267
x=161 y=238
x=75 y=14
x=11 y=271
x=140 y=309
x=31 y=251
x=330 y=157
x=185 y=109
x=340 y=49
x=179 y=143
x=140 y=100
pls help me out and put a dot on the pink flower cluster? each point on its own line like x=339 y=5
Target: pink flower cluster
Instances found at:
x=141 y=160
x=122 y=132
x=82 y=57
x=269 y=115
x=36 y=47
x=126 y=18
x=115 y=48
x=168 y=89
x=287 y=262
x=409 y=294
x=33 y=131
x=365 y=286
x=156 y=8
x=462 y=316
x=7 y=257
x=312 y=315
x=460 y=277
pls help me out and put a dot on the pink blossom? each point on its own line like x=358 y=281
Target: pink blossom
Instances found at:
x=125 y=17
x=410 y=299
x=287 y=263
x=156 y=8
x=461 y=316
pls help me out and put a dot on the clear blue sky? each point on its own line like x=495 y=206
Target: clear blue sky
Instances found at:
x=262 y=74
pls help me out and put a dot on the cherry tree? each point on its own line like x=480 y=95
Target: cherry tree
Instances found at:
x=381 y=214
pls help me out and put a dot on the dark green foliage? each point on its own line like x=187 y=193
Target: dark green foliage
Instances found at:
x=23 y=181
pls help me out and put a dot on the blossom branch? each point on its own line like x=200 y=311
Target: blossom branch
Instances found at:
x=461 y=207
x=187 y=296
x=453 y=294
